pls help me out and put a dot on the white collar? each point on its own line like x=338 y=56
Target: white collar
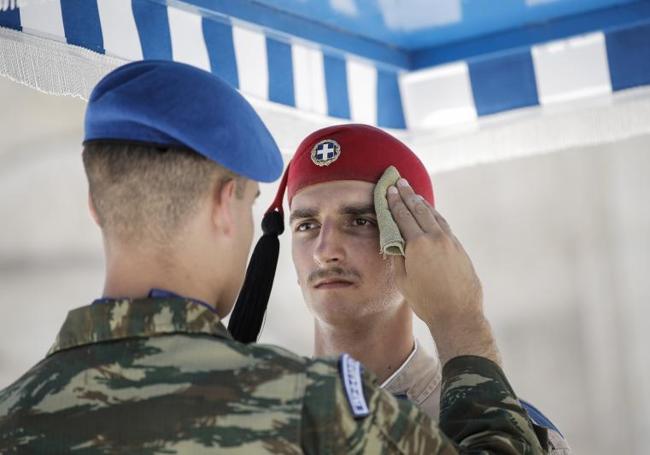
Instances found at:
x=401 y=367
x=417 y=377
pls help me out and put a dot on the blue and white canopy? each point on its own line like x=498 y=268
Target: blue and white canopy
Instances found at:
x=412 y=65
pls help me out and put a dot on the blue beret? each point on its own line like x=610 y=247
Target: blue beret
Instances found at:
x=166 y=103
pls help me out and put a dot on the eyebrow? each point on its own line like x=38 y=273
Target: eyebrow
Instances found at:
x=357 y=210
x=302 y=213
x=363 y=209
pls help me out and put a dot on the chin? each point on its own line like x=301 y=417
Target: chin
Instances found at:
x=334 y=310
x=332 y=297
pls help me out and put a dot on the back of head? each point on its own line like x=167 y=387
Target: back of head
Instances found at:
x=157 y=135
x=143 y=193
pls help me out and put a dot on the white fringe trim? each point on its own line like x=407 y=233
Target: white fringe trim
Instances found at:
x=536 y=131
x=58 y=68
x=52 y=67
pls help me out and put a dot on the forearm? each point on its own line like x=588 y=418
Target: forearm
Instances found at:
x=464 y=335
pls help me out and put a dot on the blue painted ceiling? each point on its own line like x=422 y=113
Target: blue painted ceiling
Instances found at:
x=416 y=24
x=413 y=34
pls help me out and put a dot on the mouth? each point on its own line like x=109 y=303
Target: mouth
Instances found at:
x=333 y=284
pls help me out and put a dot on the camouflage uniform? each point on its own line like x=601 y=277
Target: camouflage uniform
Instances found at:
x=419 y=380
x=164 y=376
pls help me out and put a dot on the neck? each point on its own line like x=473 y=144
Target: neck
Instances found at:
x=132 y=271
x=381 y=342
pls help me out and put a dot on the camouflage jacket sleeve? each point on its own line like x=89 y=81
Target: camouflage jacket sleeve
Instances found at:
x=480 y=414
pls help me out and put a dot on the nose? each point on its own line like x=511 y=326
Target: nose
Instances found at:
x=329 y=248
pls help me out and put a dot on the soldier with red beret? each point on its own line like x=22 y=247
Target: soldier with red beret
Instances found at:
x=363 y=297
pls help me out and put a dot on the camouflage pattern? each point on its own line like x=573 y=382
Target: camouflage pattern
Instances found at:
x=164 y=376
x=419 y=379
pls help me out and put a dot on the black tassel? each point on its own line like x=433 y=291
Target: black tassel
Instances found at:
x=248 y=314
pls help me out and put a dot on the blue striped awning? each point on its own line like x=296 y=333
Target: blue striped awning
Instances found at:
x=391 y=88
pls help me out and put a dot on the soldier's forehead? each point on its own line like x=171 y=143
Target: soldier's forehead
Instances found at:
x=333 y=194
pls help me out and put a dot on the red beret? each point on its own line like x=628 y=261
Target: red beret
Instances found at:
x=351 y=152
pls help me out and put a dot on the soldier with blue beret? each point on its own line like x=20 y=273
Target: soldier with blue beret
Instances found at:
x=173 y=157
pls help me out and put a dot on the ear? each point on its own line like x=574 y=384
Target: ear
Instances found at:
x=93 y=212
x=223 y=210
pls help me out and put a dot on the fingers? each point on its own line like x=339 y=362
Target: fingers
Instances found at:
x=442 y=222
x=406 y=223
x=413 y=214
x=417 y=206
x=444 y=225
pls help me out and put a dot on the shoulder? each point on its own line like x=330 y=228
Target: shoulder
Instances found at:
x=345 y=410
x=342 y=381
x=340 y=385
x=274 y=355
x=28 y=391
x=263 y=350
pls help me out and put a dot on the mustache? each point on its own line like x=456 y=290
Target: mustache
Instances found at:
x=333 y=273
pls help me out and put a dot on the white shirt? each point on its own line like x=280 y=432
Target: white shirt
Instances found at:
x=418 y=379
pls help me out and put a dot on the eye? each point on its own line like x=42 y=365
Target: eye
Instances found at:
x=306 y=226
x=362 y=222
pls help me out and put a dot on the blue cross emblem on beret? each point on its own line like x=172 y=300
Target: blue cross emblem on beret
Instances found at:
x=325 y=152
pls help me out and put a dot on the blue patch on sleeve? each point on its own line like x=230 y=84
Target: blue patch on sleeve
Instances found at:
x=350 y=371
x=537 y=417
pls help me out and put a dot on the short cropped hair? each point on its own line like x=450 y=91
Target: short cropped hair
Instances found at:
x=144 y=193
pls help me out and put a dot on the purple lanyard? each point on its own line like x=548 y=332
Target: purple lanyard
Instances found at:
x=156 y=293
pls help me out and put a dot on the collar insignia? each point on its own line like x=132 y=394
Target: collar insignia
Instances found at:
x=350 y=371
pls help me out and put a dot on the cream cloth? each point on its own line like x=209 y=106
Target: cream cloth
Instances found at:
x=391 y=241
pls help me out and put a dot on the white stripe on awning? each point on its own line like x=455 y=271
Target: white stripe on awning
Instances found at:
x=252 y=66
x=308 y=79
x=188 y=45
x=46 y=20
x=362 y=87
x=119 y=30
x=438 y=97
x=570 y=69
